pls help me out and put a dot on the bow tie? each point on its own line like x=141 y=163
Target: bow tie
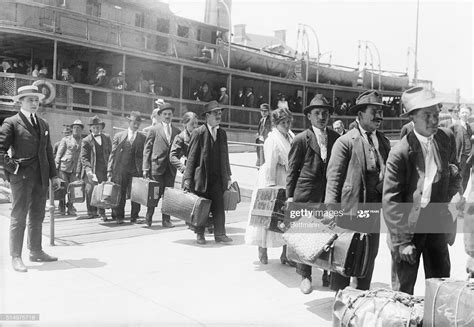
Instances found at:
x=97 y=135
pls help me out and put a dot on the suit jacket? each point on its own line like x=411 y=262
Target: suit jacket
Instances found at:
x=461 y=143
x=27 y=148
x=264 y=129
x=180 y=148
x=403 y=184
x=196 y=175
x=306 y=180
x=223 y=99
x=346 y=181
x=88 y=152
x=67 y=156
x=407 y=128
x=115 y=165
x=156 y=153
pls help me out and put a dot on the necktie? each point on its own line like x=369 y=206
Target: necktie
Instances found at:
x=324 y=146
x=373 y=149
x=168 y=132
x=132 y=138
x=33 y=122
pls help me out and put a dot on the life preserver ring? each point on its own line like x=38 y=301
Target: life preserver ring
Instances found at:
x=47 y=88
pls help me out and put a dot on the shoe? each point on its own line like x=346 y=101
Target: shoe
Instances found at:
x=306 y=286
x=284 y=259
x=18 y=264
x=167 y=224
x=103 y=216
x=262 y=255
x=133 y=220
x=91 y=215
x=210 y=229
x=148 y=221
x=41 y=257
x=325 y=278
x=119 y=221
x=200 y=239
x=223 y=239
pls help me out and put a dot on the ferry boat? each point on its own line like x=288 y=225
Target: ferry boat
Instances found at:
x=150 y=43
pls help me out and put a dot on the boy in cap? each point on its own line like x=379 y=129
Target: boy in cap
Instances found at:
x=28 y=168
x=420 y=180
x=264 y=127
x=125 y=162
x=67 y=160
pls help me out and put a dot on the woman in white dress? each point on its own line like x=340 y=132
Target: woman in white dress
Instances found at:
x=272 y=173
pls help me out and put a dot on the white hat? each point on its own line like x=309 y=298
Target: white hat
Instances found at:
x=28 y=90
x=418 y=97
x=223 y=89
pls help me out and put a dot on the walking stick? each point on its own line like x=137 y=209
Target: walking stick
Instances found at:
x=51 y=214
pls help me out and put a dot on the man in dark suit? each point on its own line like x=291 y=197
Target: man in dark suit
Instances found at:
x=406 y=129
x=462 y=133
x=156 y=157
x=125 y=162
x=338 y=126
x=208 y=170
x=250 y=98
x=355 y=176
x=95 y=151
x=67 y=161
x=264 y=127
x=307 y=164
x=28 y=169
x=420 y=180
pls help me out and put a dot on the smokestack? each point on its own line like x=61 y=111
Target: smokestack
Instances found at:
x=216 y=14
x=239 y=33
x=281 y=34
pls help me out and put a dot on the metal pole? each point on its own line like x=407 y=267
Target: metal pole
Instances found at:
x=230 y=31
x=415 y=78
x=380 y=64
x=51 y=214
x=55 y=59
x=181 y=81
x=318 y=54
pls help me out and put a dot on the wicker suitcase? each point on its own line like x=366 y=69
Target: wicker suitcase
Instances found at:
x=449 y=302
x=186 y=206
x=105 y=195
x=378 y=307
x=145 y=191
x=76 y=191
x=232 y=197
x=348 y=255
x=269 y=208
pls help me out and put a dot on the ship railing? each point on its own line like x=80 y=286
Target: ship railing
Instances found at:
x=100 y=31
x=99 y=100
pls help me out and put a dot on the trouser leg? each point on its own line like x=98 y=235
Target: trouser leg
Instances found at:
x=21 y=196
x=36 y=217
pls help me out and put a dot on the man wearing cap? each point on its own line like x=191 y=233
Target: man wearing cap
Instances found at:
x=67 y=160
x=223 y=98
x=307 y=164
x=28 y=169
x=155 y=117
x=454 y=112
x=355 y=176
x=420 y=180
x=264 y=127
x=462 y=134
x=118 y=82
x=95 y=151
x=125 y=162
x=67 y=130
x=208 y=170
x=156 y=157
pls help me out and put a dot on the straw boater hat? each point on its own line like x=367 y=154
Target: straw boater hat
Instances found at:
x=165 y=106
x=77 y=122
x=417 y=98
x=211 y=106
x=369 y=97
x=265 y=107
x=319 y=101
x=96 y=121
x=28 y=90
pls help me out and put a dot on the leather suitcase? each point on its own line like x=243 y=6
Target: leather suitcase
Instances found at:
x=378 y=307
x=348 y=255
x=105 y=195
x=145 y=191
x=232 y=197
x=449 y=302
x=269 y=208
x=76 y=191
x=186 y=206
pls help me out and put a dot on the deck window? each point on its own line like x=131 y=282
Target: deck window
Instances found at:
x=163 y=25
x=93 y=8
x=183 y=31
x=140 y=20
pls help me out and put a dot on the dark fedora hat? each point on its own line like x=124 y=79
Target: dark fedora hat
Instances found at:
x=265 y=106
x=77 y=122
x=369 y=97
x=135 y=116
x=96 y=121
x=165 y=106
x=319 y=101
x=211 y=106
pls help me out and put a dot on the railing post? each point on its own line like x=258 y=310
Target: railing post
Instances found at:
x=109 y=102
x=181 y=82
x=69 y=97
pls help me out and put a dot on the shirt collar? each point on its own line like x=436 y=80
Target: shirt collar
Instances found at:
x=131 y=132
x=27 y=114
x=421 y=138
x=317 y=131
x=362 y=130
x=210 y=127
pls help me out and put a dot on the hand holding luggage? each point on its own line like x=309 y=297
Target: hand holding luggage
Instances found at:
x=145 y=191
x=186 y=206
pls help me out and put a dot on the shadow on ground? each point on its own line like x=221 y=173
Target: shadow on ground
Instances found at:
x=67 y=264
